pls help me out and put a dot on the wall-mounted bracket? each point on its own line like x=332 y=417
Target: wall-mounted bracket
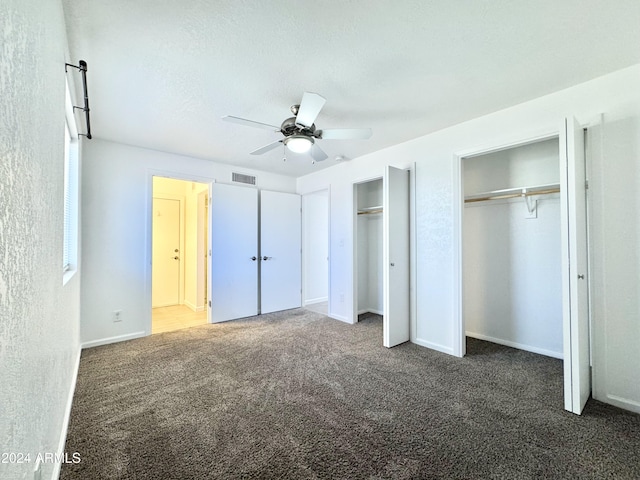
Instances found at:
x=82 y=66
x=532 y=205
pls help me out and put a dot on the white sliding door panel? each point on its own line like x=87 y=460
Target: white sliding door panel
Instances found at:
x=234 y=252
x=280 y=244
x=577 y=373
x=396 y=257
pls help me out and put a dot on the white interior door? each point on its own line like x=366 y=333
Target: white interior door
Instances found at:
x=396 y=256
x=280 y=244
x=577 y=372
x=234 y=252
x=165 y=266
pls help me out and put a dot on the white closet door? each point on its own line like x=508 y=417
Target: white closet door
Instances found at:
x=234 y=252
x=396 y=257
x=577 y=373
x=280 y=243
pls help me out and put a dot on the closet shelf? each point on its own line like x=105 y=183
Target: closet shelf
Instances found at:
x=514 y=193
x=370 y=210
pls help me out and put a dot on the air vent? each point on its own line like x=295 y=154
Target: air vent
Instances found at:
x=242 y=178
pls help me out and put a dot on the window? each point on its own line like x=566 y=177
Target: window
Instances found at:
x=70 y=241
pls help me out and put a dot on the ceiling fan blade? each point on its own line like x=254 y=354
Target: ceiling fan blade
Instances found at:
x=318 y=154
x=250 y=123
x=346 y=133
x=266 y=148
x=310 y=107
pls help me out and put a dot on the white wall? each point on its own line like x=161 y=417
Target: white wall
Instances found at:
x=116 y=188
x=614 y=216
x=39 y=317
x=315 y=210
x=511 y=263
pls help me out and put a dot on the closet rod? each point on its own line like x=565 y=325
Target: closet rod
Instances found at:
x=513 y=195
x=370 y=212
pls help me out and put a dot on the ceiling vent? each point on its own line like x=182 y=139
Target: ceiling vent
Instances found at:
x=242 y=178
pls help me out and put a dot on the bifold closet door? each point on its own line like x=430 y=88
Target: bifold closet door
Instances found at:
x=395 y=324
x=577 y=371
x=280 y=248
x=234 y=252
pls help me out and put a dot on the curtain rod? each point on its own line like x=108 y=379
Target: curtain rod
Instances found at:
x=82 y=66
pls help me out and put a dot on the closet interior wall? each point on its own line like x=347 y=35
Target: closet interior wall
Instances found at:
x=512 y=277
x=369 y=250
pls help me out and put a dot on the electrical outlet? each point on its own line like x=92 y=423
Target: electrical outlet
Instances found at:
x=117 y=315
x=342 y=298
x=37 y=472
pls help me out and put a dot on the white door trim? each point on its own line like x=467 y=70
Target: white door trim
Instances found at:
x=152 y=172
x=458 y=334
x=459 y=348
x=354 y=244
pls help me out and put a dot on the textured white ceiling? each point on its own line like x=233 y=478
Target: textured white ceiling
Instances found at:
x=162 y=73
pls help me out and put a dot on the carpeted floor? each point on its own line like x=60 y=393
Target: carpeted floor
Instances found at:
x=298 y=395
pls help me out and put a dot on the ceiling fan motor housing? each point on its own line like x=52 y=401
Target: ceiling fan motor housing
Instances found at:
x=290 y=127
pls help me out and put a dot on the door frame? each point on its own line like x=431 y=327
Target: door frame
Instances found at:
x=459 y=334
x=305 y=253
x=151 y=172
x=459 y=342
x=181 y=202
x=354 y=223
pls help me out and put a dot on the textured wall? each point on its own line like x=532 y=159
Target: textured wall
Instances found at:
x=116 y=226
x=613 y=233
x=39 y=317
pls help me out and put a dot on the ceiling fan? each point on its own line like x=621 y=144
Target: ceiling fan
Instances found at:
x=300 y=133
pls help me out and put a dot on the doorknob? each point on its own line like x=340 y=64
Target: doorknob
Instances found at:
x=581 y=277
x=176 y=258
x=265 y=258
x=393 y=264
x=176 y=250
x=254 y=258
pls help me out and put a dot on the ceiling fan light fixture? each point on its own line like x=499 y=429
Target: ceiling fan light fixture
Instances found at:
x=298 y=143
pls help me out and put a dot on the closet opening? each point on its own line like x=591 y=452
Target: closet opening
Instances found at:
x=523 y=253
x=511 y=248
x=179 y=254
x=368 y=232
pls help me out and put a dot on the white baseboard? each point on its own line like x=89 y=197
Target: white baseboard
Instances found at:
x=119 y=338
x=190 y=306
x=193 y=307
x=339 y=317
x=519 y=346
x=620 y=402
x=433 y=346
x=311 y=301
x=67 y=416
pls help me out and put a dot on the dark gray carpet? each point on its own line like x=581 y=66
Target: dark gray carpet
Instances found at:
x=298 y=395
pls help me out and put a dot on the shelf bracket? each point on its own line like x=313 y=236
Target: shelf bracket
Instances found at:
x=532 y=205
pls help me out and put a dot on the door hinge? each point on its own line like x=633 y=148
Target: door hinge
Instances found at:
x=209 y=303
